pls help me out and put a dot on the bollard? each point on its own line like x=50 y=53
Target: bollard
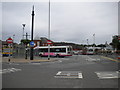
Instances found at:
x=9 y=60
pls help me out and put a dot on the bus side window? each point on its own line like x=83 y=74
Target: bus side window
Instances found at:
x=57 y=50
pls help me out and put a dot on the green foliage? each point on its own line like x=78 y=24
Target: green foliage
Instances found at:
x=115 y=42
x=101 y=45
x=25 y=41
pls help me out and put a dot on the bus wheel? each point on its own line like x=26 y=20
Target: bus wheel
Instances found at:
x=57 y=55
x=40 y=55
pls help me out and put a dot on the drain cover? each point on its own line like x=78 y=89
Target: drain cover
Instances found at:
x=69 y=74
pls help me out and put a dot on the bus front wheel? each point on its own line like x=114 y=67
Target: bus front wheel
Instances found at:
x=40 y=55
x=57 y=55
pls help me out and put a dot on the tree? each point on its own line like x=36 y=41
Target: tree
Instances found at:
x=24 y=41
x=115 y=42
x=101 y=45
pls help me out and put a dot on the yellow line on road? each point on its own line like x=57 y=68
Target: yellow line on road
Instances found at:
x=110 y=59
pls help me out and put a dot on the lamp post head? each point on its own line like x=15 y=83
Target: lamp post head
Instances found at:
x=23 y=25
x=33 y=11
x=33 y=8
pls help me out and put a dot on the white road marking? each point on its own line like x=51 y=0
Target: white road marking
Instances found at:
x=69 y=74
x=80 y=75
x=107 y=74
x=36 y=63
x=9 y=70
x=92 y=59
x=58 y=73
x=60 y=61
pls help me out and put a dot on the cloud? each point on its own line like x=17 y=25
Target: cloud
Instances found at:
x=85 y=18
x=70 y=21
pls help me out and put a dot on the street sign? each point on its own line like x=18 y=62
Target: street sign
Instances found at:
x=49 y=42
x=32 y=44
x=119 y=38
x=9 y=40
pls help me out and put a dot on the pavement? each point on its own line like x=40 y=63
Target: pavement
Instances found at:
x=37 y=59
x=22 y=60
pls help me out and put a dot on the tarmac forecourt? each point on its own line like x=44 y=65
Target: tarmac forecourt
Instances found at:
x=26 y=60
x=6 y=59
x=110 y=59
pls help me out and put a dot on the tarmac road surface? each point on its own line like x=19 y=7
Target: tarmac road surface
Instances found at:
x=79 y=71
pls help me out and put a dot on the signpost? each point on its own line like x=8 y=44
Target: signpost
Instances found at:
x=32 y=44
x=49 y=42
x=119 y=38
x=119 y=41
x=9 y=41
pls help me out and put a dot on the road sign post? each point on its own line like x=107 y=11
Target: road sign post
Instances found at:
x=49 y=42
x=32 y=44
x=9 y=41
x=119 y=38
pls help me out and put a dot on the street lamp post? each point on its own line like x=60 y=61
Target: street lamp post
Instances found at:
x=31 y=51
x=49 y=32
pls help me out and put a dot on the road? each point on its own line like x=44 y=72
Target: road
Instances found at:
x=79 y=71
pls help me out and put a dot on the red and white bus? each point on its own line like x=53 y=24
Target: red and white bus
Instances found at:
x=58 y=51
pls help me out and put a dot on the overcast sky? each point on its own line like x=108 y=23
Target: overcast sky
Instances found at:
x=70 y=21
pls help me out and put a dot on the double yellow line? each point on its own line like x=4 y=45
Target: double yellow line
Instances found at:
x=110 y=59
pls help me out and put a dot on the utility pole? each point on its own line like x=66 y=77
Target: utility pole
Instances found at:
x=31 y=51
